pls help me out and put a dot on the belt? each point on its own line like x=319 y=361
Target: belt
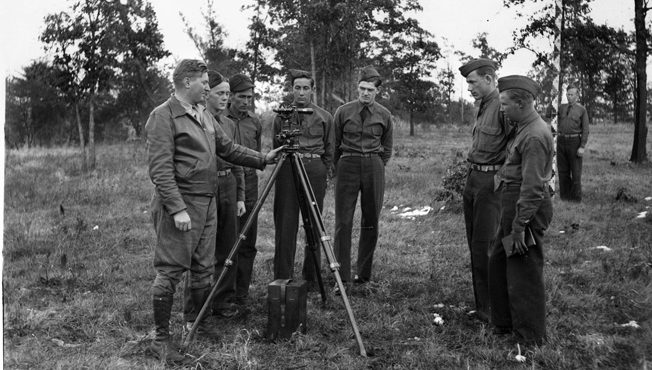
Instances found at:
x=308 y=155
x=568 y=136
x=354 y=154
x=224 y=173
x=486 y=167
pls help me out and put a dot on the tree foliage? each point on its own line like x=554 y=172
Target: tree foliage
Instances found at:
x=102 y=48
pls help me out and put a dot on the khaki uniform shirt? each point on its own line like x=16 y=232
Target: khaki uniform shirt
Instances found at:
x=229 y=128
x=354 y=136
x=574 y=119
x=248 y=131
x=490 y=133
x=528 y=165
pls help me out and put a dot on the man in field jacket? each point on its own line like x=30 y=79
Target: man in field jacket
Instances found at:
x=183 y=142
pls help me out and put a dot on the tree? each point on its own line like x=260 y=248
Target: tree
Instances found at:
x=409 y=55
x=34 y=113
x=334 y=37
x=93 y=44
x=639 y=150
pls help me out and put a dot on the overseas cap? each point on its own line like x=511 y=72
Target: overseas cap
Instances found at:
x=215 y=78
x=519 y=82
x=240 y=82
x=299 y=73
x=477 y=63
x=369 y=74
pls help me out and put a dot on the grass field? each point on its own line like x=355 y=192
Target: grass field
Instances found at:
x=78 y=254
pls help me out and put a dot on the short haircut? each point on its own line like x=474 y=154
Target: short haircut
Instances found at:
x=522 y=97
x=188 y=68
x=571 y=87
x=486 y=71
x=312 y=82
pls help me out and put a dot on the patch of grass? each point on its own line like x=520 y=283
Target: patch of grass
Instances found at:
x=78 y=270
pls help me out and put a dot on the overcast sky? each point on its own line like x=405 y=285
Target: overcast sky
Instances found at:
x=453 y=22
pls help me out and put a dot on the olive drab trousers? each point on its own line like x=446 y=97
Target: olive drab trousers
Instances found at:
x=364 y=175
x=516 y=289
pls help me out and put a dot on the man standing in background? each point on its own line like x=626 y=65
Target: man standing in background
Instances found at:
x=248 y=133
x=573 y=134
x=316 y=153
x=363 y=146
x=230 y=198
x=486 y=156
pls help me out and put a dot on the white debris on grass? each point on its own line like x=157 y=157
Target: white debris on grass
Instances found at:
x=648 y=198
x=96 y=227
x=407 y=213
x=562 y=232
x=439 y=305
x=61 y=343
x=442 y=208
x=438 y=320
x=394 y=209
x=631 y=324
x=519 y=357
x=642 y=214
x=603 y=248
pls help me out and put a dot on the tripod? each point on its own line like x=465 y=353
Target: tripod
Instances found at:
x=315 y=232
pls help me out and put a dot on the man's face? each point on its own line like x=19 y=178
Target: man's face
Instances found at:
x=302 y=91
x=511 y=108
x=218 y=97
x=572 y=96
x=367 y=92
x=242 y=101
x=197 y=88
x=479 y=86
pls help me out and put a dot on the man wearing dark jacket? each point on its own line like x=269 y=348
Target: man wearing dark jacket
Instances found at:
x=183 y=142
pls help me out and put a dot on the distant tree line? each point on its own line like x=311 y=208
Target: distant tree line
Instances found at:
x=106 y=75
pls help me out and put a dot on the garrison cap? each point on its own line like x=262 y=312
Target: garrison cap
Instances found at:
x=240 y=82
x=215 y=78
x=299 y=73
x=474 y=64
x=369 y=74
x=519 y=82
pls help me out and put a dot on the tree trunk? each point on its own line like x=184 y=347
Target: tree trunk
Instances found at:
x=411 y=123
x=314 y=70
x=639 y=151
x=82 y=142
x=91 y=132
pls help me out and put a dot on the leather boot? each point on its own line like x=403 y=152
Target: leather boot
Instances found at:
x=162 y=345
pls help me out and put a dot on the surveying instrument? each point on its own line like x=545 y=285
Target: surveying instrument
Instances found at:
x=312 y=220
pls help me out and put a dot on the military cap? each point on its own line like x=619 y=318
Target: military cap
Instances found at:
x=477 y=63
x=240 y=82
x=369 y=74
x=519 y=82
x=215 y=78
x=299 y=73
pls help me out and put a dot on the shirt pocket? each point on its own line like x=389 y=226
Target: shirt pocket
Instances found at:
x=315 y=131
x=490 y=138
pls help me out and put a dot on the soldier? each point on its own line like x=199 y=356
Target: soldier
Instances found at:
x=183 y=142
x=316 y=153
x=363 y=146
x=248 y=133
x=516 y=286
x=573 y=134
x=230 y=198
x=486 y=156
